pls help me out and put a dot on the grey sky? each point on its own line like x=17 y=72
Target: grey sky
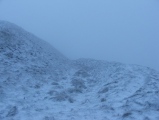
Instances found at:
x=114 y=30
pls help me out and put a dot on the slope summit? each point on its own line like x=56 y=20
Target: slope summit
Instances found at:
x=16 y=42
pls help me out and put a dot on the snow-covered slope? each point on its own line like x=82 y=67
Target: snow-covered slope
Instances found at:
x=38 y=83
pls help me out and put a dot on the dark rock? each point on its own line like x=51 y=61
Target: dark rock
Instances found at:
x=12 y=112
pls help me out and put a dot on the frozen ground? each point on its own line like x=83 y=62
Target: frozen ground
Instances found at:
x=39 y=83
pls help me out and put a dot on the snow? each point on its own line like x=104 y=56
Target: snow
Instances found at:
x=37 y=82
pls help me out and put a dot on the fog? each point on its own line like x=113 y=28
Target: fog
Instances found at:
x=113 y=30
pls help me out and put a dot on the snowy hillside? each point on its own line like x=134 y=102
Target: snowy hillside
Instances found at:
x=38 y=83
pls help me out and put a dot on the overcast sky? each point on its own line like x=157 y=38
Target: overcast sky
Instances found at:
x=126 y=31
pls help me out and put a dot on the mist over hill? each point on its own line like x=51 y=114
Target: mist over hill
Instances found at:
x=37 y=82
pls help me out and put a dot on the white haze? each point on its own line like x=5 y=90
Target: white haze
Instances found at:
x=113 y=30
